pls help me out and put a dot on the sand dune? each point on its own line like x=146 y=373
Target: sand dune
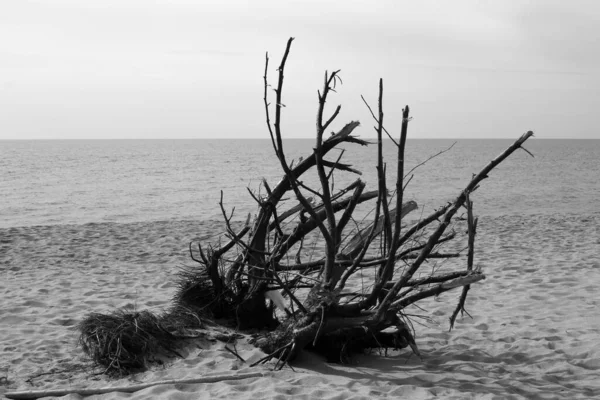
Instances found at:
x=533 y=335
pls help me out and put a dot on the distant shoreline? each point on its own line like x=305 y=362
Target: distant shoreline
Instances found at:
x=285 y=139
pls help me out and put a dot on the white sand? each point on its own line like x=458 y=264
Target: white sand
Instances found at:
x=534 y=333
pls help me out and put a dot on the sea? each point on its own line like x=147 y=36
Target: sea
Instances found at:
x=72 y=182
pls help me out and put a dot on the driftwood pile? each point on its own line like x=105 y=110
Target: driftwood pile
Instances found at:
x=250 y=283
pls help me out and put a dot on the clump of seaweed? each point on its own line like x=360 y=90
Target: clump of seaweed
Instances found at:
x=124 y=341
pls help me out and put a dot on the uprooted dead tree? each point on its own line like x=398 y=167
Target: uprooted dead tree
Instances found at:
x=261 y=281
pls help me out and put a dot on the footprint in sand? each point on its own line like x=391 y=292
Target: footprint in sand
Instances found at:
x=482 y=327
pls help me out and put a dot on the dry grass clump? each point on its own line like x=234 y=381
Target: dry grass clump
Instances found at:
x=124 y=341
x=179 y=319
x=196 y=293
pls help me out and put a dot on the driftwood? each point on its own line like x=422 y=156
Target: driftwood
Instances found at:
x=36 y=394
x=250 y=282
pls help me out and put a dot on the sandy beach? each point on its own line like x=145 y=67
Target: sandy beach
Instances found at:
x=533 y=334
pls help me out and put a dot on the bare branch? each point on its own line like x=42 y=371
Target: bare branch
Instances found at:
x=527 y=151
x=332 y=238
x=340 y=166
x=383 y=307
x=266 y=85
x=386 y=272
x=304 y=227
x=471 y=226
x=286 y=214
x=437 y=290
x=291 y=177
x=287 y=290
x=333 y=116
x=431 y=279
x=353 y=201
x=378 y=121
x=429 y=159
x=204 y=260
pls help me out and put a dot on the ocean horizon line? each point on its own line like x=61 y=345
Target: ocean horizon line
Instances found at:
x=267 y=139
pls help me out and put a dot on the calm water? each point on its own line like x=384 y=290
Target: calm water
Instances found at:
x=76 y=182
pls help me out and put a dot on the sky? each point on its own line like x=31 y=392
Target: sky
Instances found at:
x=107 y=69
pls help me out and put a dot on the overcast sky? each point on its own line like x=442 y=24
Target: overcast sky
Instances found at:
x=193 y=68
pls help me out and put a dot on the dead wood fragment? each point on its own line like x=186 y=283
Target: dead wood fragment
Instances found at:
x=36 y=394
